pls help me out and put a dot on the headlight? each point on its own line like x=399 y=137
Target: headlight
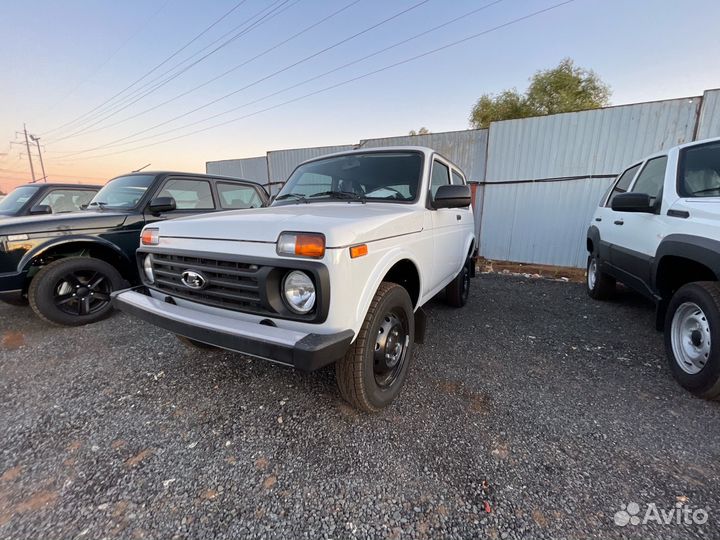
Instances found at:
x=299 y=292
x=148 y=269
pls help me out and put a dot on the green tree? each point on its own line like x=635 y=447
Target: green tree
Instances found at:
x=565 y=88
x=422 y=131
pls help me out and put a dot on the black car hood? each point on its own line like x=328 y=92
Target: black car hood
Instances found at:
x=73 y=221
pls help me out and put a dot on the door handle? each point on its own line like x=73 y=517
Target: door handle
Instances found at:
x=458 y=217
x=618 y=222
x=598 y=219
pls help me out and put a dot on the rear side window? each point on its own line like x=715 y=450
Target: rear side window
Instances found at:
x=440 y=176
x=457 y=179
x=623 y=183
x=237 y=196
x=651 y=179
x=699 y=171
x=189 y=194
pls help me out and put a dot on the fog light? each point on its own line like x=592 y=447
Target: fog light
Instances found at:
x=148 y=269
x=299 y=292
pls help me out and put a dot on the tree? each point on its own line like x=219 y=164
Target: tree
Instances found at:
x=422 y=131
x=565 y=88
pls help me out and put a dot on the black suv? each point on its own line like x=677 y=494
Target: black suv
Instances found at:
x=67 y=265
x=35 y=199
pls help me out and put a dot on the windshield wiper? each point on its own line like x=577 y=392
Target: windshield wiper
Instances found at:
x=707 y=190
x=341 y=195
x=297 y=196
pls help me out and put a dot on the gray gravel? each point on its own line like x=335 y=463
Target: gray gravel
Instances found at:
x=533 y=412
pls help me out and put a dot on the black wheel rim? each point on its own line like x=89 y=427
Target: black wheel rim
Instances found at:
x=465 y=284
x=82 y=292
x=391 y=346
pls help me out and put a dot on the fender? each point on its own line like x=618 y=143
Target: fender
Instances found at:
x=706 y=251
x=593 y=234
x=469 y=249
x=40 y=249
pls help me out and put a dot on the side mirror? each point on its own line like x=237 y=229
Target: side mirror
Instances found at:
x=633 y=202
x=452 y=196
x=162 y=204
x=41 y=209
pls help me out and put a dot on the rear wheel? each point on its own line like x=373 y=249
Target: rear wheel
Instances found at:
x=373 y=371
x=692 y=338
x=74 y=291
x=598 y=285
x=458 y=290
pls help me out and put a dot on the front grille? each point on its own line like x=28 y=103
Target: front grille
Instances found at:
x=229 y=284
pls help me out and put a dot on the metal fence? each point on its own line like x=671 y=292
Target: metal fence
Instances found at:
x=255 y=169
x=281 y=163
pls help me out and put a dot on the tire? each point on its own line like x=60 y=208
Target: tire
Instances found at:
x=598 y=285
x=365 y=379
x=194 y=344
x=74 y=291
x=458 y=290
x=692 y=338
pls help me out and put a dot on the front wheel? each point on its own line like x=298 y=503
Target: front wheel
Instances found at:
x=692 y=338
x=598 y=285
x=373 y=371
x=74 y=291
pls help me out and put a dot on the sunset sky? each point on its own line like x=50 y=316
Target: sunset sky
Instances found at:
x=73 y=72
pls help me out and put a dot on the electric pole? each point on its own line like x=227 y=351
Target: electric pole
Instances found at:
x=42 y=165
x=27 y=145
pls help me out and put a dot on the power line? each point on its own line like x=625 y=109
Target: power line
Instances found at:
x=165 y=61
x=286 y=68
x=232 y=69
x=140 y=92
x=347 y=81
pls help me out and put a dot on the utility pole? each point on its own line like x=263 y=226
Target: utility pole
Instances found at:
x=27 y=145
x=42 y=165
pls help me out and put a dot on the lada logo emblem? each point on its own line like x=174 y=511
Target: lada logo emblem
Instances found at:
x=193 y=279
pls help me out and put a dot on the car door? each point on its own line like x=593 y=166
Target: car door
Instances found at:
x=445 y=226
x=641 y=232
x=192 y=196
x=606 y=218
x=62 y=200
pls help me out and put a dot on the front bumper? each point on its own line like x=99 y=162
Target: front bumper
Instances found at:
x=303 y=351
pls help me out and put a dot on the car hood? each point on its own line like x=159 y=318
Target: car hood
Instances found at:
x=72 y=221
x=342 y=223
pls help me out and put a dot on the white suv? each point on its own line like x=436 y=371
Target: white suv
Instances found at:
x=336 y=269
x=657 y=231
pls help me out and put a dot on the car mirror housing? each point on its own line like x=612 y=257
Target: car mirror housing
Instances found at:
x=452 y=196
x=41 y=209
x=162 y=204
x=633 y=202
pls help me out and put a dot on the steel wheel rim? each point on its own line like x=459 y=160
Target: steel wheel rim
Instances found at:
x=82 y=292
x=391 y=344
x=690 y=338
x=592 y=274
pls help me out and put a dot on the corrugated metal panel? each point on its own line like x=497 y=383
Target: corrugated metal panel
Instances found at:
x=603 y=141
x=281 y=163
x=709 y=125
x=542 y=222
x=467 y=149
x=255 y=169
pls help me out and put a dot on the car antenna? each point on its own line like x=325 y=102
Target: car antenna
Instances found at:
x=143 y=167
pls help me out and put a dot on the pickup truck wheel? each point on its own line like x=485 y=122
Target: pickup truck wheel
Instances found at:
x=372 y=372
x=458 y=290
x=692 y=338
x=74 y=291
x=192 y=343
x=599 y=286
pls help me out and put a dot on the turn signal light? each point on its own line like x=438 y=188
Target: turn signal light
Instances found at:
x=150 y=237
x=311 y=245
x=358 y=251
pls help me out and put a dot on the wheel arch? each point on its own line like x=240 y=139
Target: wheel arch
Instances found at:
x=681 y=259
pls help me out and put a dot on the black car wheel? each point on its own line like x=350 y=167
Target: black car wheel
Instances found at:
x=458 y=290
x=74 y=291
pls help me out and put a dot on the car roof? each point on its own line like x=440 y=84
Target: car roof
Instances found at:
x=62 y=185
x=188 y=174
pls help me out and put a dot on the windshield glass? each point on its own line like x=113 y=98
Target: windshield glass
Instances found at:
x=374 y=176
x=15 y=200
x=122 y=192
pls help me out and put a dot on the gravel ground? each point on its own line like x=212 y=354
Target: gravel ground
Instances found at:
x=533 y=412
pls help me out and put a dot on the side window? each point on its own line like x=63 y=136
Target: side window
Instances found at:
x=189 y=194
x=699 y=171
x=651 y=179
x=236 y=196
x=67 y=200
x=440 y=176
x=457 y=179
x=623 y=183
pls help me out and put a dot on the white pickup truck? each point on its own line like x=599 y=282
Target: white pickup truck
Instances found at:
x=337 y=269
x=657 y=230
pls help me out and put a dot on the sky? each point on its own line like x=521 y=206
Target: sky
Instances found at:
x=102 y=83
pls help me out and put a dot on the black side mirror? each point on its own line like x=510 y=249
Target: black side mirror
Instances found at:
x=452 y=196
x=162 y=204
x=633 y=202
x=41 y=209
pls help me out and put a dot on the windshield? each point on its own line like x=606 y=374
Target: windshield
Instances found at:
x=374 y=176
x=122 y=192
x=15 y=200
